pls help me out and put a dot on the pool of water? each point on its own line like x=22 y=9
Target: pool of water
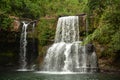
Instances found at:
x=16 y=75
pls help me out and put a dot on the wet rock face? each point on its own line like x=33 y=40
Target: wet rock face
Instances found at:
x=90 y=48
x=16 y=25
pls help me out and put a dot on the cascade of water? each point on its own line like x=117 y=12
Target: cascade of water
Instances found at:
x=32 y=49
x=67 y=54
x=25 y=61
x=68 y=61
x=23 y=44
x=67 y=29
x=33 y=40
x=77 y=55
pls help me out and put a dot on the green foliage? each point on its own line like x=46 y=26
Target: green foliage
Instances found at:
x=46 y=31
x=60 y=7
x=34 y=9
x=5 y=22
x=114 y=44
x=108 y=30
x=21 y=8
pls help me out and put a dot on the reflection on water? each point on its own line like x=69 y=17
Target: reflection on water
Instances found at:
x=43 y=76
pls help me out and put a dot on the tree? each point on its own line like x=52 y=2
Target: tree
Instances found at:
x=108 y=29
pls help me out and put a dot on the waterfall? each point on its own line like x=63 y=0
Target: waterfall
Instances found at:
x=26 y=56
x=67 y=54
x=33 y=38
x=67 y=29
x=23 y=44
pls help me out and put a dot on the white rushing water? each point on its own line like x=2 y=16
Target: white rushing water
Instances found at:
x=25 y=57
x=23 y=44
x=67 y=54
x=23 y=47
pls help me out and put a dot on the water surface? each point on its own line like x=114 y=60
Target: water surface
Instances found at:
x=44 y=76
